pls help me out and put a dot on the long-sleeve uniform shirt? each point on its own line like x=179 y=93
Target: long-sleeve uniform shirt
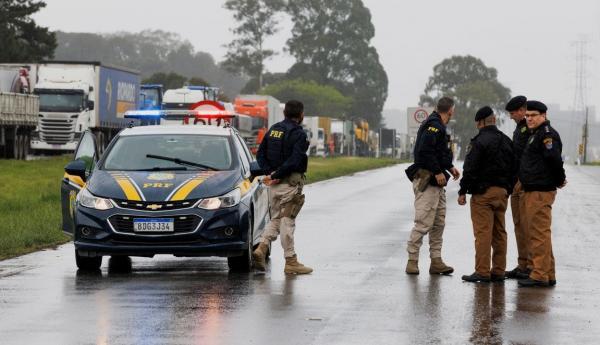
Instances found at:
x=490 y=161
x=520 y=137
x=541 y=164
x=283 y=150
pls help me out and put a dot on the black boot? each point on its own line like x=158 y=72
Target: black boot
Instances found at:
x=533 y=283
x=517 y=273
x=497 y=278
x=475 y=277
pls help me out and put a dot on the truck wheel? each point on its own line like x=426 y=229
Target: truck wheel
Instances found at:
x=244 y=262
x=85 y=263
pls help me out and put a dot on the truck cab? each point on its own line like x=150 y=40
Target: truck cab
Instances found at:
x=151 y=97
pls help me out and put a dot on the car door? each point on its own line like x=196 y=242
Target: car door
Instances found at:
x=71 y=185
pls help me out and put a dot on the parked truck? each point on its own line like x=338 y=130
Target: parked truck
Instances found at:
x=265 y=112
x=18 y=110
x=77 y=96
x=342 y=131
x=151 y=97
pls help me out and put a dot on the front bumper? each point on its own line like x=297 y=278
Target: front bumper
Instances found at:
x=219 y=233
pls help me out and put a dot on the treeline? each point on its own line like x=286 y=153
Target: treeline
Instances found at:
x=150 y=52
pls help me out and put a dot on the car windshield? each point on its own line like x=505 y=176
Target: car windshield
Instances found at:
x=167 y=152
x=149 y=99
x=69 y=102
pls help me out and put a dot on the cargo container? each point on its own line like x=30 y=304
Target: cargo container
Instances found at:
x=265 y=112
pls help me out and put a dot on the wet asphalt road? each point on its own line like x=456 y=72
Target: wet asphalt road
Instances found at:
x=353 y=231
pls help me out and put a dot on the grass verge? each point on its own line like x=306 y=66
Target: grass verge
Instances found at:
x=30 y=206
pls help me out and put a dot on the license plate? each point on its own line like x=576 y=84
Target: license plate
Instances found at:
x=153 y=225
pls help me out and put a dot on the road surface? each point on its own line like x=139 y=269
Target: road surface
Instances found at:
x=353 y=232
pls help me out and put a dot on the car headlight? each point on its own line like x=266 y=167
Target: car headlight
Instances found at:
x=86 y=199
x=228 y=200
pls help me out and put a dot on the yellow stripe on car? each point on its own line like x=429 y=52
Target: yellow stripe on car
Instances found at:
x=245 y=186
x=128 y=188
x=75 y=179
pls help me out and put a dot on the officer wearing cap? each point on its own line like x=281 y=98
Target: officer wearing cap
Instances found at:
x=489 y=174
x=282 y=157
x=429 y=175
x=517 y=108
x=541 y=173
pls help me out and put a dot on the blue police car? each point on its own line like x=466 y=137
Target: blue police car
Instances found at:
x=180 y=190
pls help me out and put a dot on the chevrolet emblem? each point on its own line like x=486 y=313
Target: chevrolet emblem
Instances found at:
x=154 y=207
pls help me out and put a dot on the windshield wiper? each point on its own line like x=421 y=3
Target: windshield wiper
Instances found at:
x=182 y=162
x=163 y=169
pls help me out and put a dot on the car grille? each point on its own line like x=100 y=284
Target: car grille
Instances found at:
x=183 y=224
x=57 y=131
x=155 y=206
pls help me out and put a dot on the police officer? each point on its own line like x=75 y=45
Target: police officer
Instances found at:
x=429 y=175
x=541 y=173
x=489 y=174
x=517 y=107
x=282 y=157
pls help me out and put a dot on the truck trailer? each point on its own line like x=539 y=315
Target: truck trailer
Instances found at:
x=265 y=112
x=77 y=96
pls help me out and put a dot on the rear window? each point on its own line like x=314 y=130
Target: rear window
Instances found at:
x=129 y=152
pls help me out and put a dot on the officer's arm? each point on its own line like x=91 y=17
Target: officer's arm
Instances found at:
x=551 y=151
x=470 y=168
x=293 y=162
x=261 y=156
x=427 y=150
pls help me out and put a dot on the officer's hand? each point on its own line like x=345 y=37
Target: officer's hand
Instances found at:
x=455 y=173
x=563 y=184
x=269 y=181
x=462 y=200
x=441 y=179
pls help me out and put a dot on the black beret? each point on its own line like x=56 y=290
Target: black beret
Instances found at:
x=537 y=105
x=516 y=103
x=483 y=113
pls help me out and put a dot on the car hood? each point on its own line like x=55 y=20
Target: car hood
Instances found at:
x=162 y=186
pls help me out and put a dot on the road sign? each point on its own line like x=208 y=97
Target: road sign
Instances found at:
x=416 y=116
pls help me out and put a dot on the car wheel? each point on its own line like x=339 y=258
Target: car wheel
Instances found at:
x=244 y=262
x=85 y=263
x=119 y=264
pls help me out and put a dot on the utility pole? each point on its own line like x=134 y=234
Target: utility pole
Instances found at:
x=584 y=139
x=580 y=98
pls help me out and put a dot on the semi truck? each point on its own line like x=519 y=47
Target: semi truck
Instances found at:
x=76 y=96
x=265 y=112
x=187 y=96
x=151 y=97
x=342 y=131
x=316 y=136
x=18 y=110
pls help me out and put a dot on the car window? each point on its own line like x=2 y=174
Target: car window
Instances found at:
x=246 y=150
x=129 y=152
x=86 y=151
x=242 y=153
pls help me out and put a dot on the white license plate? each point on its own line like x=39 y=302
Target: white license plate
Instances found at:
x=153 y=225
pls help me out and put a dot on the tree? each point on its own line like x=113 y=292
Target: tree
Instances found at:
x=257 y=21
x=331 y=43
x=168 y=80
x=21 y=39
x=319 y=100
x=472 y=85
x=268 y=79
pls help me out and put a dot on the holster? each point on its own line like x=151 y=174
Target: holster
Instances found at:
x=292 y=208
x=422 y=178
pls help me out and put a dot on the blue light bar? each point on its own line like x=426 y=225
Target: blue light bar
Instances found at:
x=144 y=114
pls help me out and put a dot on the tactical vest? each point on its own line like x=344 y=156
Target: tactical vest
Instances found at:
x=277 y=146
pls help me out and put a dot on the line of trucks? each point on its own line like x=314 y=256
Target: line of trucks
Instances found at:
x=45 y=107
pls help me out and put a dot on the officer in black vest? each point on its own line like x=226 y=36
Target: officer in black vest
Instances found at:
x=489 y=174
x=282 y=157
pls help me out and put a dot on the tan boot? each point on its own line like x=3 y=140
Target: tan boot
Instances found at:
x=412 y=267
x=260 y=256
x=439 y=267
x=292 y=266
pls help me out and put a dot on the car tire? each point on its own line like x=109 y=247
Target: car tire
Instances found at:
x=85 y=263
x=244 y=262
x=119 y=264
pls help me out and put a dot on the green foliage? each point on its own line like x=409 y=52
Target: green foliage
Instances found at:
x=168 y=80
x=331 y=43
x=472 y=85
x=247 y=53
x=21 y=40
x=149 y=52
x=268 y=79
x=320 y=169
x=319 y=100
x=30 y=209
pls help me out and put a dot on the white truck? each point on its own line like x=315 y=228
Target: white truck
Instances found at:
x=77 y=96
x=316 y=136
x=18 y=111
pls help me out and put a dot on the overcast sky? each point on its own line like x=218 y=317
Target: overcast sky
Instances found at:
x=529 y=42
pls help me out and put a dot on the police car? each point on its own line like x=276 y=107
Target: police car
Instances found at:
x=182 y=190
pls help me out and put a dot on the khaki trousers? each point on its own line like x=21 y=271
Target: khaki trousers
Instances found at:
x=517 y=205
x=280 y=195
x=487 y=214
x=539 y=220
x=430 y=217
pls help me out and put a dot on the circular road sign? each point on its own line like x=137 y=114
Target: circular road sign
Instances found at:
x=420 y=115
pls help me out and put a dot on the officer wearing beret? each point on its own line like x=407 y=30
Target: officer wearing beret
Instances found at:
x=541 y=173
x=517 y=108
x=282 y=156
x=489 y=174
x=429 y=175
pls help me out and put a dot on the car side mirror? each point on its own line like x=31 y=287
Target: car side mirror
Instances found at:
x=76 y=168
x=90 y=105
x=255 y=170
